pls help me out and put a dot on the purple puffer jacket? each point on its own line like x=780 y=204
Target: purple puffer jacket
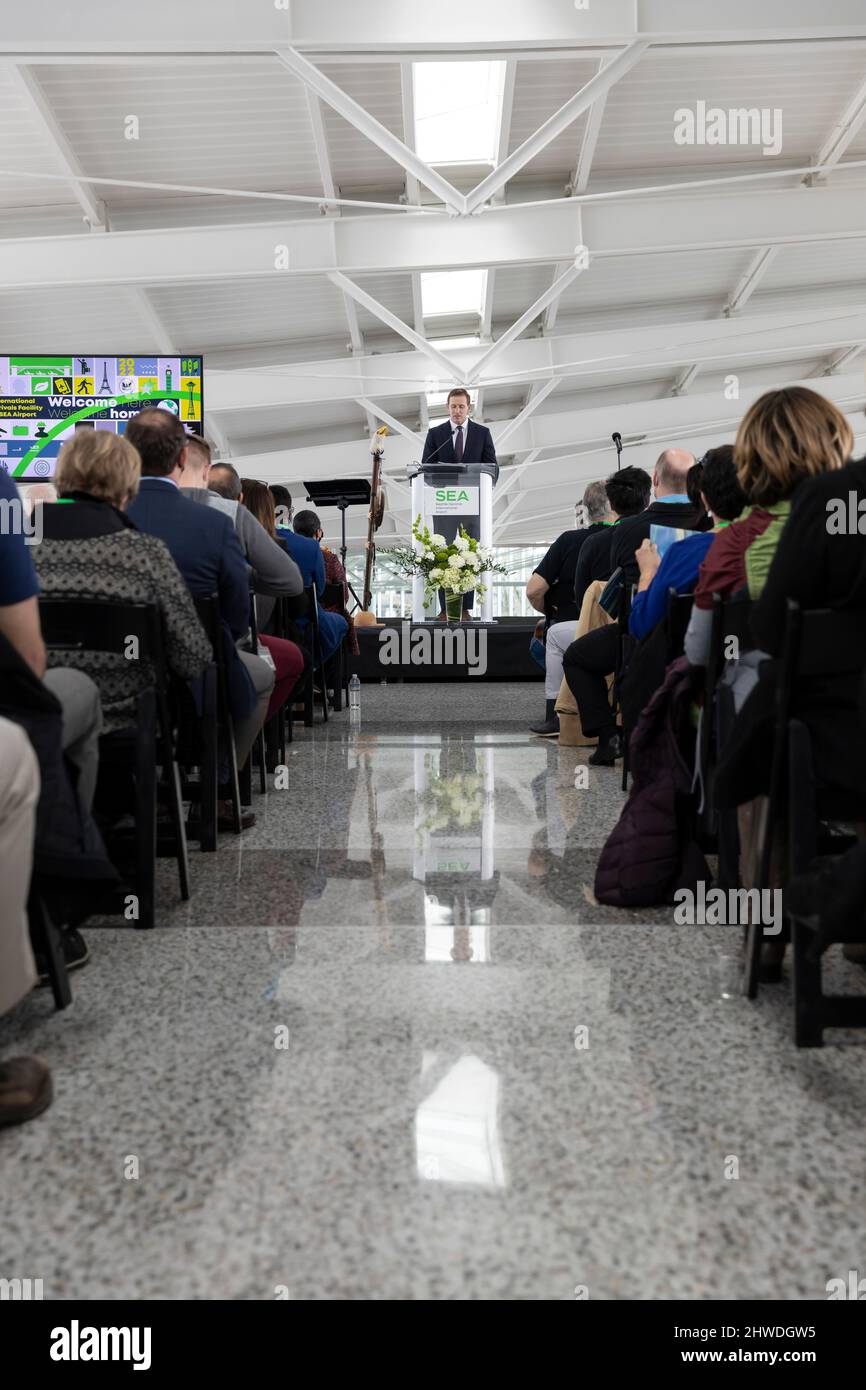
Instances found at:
x=651 y=850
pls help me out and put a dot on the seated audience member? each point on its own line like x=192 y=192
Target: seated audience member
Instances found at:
x=203 y=544
x=551 y=591
x=723 y=498
x=628 y=494
x=64 y=801
x=786 y=437
x=588 y=662
x=25 y=1082
x=274 y=572
x=820 y=561
x=19 y=623
x=307 y=555
x=91 y=551
x=308 y=524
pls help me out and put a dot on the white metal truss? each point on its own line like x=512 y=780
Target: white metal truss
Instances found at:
x=842 y=134
x=393 y=321
x=596 y=87
x=30 y=88
x=665 y=348
x=506 y=236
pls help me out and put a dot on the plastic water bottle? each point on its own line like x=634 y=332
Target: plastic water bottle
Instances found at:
x=355 y=692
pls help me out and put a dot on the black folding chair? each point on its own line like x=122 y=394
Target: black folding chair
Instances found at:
x=45 y=937
x=317 y=666
x=730 y=633
x=105 y=626
x=216 y=728
x=333 y=597
x=257 y=752
x=817 y=643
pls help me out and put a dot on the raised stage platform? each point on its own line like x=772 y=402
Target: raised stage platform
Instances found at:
x=401 y=650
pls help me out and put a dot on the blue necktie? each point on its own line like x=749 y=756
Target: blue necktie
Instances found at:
x=458 y=445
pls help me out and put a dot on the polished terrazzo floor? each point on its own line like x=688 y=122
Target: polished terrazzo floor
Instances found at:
x=392 y=1048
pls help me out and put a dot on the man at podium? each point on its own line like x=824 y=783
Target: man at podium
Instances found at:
x=468 y=448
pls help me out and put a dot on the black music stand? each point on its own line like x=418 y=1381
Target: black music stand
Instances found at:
x=342 y=493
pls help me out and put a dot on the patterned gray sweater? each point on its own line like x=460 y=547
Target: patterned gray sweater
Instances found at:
x=133 y=567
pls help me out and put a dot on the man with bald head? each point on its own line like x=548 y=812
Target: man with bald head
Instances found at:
x=589 y=661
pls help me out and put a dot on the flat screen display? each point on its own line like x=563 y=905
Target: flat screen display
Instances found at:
x=43 y=400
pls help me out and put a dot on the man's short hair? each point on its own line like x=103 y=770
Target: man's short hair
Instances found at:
x=306 y=524
x=595 y=504
x=628 y=491
x=459 y=391
x=160 y=439
x=195 y=441
x=225 y=480
x=281 y=495
x=720 y=484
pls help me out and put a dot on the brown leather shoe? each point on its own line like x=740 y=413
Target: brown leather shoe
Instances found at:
x=25 y=1089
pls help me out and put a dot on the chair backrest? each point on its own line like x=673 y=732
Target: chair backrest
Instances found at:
x=333 y=596
x=679 y=612
x=731 y=618
x=102 y=625
x=819 y=642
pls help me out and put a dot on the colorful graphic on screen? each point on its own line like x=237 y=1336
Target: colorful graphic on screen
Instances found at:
x=43 y=400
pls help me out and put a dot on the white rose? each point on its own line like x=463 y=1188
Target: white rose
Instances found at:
x=437 y=541
x=457 y=561
x=436 y=574
x=461 y=542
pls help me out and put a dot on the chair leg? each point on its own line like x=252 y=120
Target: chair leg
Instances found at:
x=179 y=826
x=625 y=768
x=339 y=663
x=46 y=939
x=260 y=753
x=234 y=782
x=210 y=764
x=145 y=809
x=808 y=998
x=245 y=779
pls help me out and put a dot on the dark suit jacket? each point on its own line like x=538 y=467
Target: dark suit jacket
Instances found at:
x=477 y=447
x=203 y=544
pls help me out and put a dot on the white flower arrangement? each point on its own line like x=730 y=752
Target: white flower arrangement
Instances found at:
x=455 y=567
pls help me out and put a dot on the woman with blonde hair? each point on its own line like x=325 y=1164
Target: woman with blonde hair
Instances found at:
x=786 y=437
x=90 y=550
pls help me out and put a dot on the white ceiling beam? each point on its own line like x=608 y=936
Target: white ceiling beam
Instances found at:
x=407 y=100
x=591 y=132
x=31 y=90
x=504 y=432
x=557 y=123
x=335 y=28
x=685 y=379
x=374 y=131
x=662 y=347
x=395 y=425
x=506 y=236
x=750 y=281
x=548 y=296
x=392 y=321
x=840 y=137
x=320 y=142
x=512 y=476
x=506 y=110
x=588 y=430
x=839 y=360
x=163 y=345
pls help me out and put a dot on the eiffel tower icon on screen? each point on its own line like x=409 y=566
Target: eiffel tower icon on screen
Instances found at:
x=104 y=388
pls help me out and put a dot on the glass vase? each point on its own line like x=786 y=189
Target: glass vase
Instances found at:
x=454 y=607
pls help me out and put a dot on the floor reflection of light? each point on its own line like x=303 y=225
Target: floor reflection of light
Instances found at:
x=457 y=1126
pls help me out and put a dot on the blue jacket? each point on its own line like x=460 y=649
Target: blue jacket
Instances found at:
x=203 y=544
x=678 y=570
x=307 y=555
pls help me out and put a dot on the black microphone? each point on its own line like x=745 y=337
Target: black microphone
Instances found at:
x=617 y=439
x=452 y=463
